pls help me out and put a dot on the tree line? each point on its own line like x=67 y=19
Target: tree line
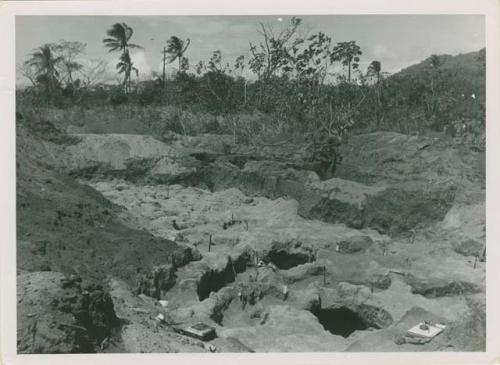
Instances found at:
x=290 y=82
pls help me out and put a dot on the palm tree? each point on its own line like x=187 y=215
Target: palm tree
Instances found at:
x=374 y=69
x=45 y=63
x=126 y=66
x=348 y=54
x=176 y=48
x=119 y=36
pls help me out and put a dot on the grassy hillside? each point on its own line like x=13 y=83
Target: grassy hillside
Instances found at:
x=442 y=93
x=470 y=64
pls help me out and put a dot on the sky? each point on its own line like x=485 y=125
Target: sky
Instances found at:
x=397 y=41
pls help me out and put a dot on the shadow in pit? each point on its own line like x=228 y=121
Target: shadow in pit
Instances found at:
x=340 y=321
x=286 y=260
x=344 y=321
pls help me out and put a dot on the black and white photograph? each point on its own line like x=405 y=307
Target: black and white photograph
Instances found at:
x=250 y=183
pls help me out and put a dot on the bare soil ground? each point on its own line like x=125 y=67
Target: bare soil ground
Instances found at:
x=255 y=244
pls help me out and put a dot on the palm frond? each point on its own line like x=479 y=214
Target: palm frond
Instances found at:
x=132 y=45
x=117 y=31
x=128 y=31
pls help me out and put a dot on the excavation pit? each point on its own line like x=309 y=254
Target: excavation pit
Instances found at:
x=213 y=281
x=340 y=321
x=285 y=260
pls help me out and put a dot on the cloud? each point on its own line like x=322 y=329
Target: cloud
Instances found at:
x=195 y=25
x=141 y=62
x=170 y=68
x=382 y=52
x=242 y=28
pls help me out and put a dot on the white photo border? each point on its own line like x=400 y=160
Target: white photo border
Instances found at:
x=10 y=9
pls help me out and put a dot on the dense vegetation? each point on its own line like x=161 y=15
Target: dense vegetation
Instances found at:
x=291 y=93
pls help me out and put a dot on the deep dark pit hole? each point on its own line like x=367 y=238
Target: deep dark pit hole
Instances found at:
x=213 y=281
x=285 y=260
x=340 y=321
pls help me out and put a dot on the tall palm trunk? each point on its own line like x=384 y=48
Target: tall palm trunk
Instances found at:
x=126 y=77
x=245 y=92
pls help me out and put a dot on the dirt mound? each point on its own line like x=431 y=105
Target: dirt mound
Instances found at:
x=68 y=227
x=355 y=244
x=193 y=161
x=393 y=209
x=115 y=149
x=432 y=288
x=55 y=315
x=383 y=157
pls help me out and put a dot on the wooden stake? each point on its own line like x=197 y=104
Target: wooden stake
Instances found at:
x=246 y=225
x=209 y=242
x=324 y=275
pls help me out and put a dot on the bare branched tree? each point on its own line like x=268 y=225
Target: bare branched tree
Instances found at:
x=95 y=72
x=69 y=51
